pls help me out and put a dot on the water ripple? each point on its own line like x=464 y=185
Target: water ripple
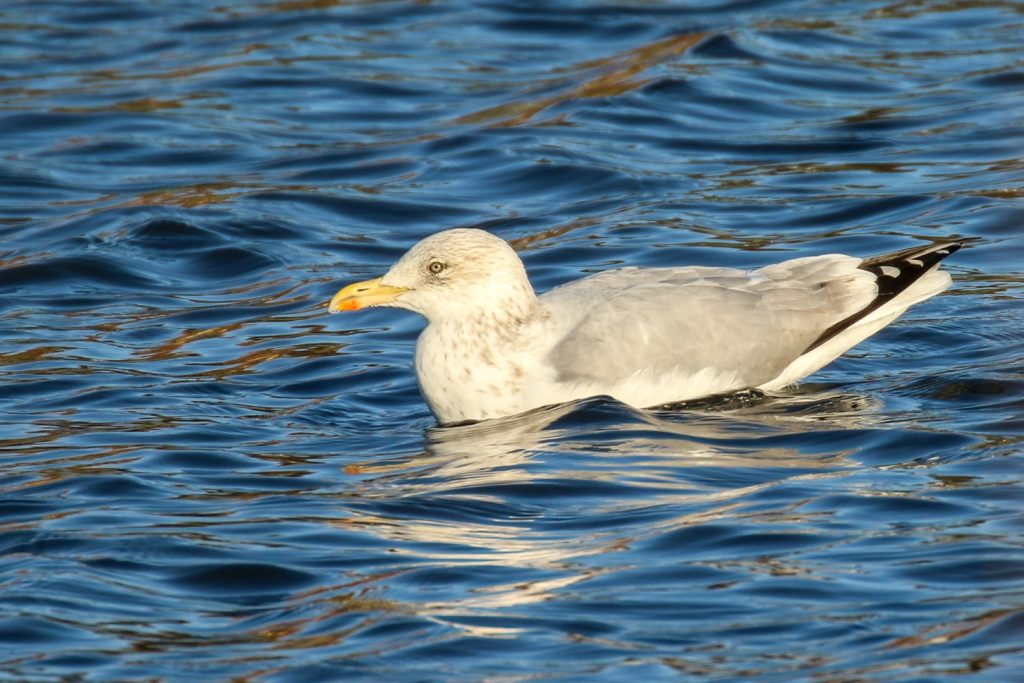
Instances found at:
x=205 y=477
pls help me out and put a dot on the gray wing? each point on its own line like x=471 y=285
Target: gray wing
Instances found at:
x=754 y=324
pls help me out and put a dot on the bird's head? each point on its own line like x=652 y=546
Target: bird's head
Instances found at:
x=452 y=274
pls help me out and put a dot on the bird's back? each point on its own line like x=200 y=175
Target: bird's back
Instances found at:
x=744 y=327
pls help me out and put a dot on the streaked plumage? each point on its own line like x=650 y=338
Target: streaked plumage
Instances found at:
x=646 y=336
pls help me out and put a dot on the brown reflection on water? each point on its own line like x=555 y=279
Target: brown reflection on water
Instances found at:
x=816 y=167
x=301 y=5
x=246 y=362
x=526 y=241
x=284 y=294
x=192 y=196
x=142 y=105
x=615 y=75
x=939 y=634
x=171 y=348
x=31 y=355
x=53 y=430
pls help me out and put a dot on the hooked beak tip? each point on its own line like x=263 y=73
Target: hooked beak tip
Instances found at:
x=363 y=295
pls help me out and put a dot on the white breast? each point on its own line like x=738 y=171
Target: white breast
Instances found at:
x=466 y=376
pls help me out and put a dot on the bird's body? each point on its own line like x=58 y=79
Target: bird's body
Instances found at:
x=646 y=336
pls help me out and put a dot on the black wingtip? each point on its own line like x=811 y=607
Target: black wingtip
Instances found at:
x=894 y=273
x=928 y=255
x=900 y=269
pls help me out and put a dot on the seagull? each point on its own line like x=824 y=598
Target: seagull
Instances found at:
x=648 y=337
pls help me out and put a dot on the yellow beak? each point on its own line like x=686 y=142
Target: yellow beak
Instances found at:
x=363 y=294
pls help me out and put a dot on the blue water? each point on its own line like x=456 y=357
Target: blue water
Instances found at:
x=206 y=477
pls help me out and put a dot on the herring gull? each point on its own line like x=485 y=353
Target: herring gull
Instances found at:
x=645 y=336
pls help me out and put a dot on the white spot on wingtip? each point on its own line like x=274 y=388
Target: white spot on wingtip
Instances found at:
x=915 y=262
x=890 y=271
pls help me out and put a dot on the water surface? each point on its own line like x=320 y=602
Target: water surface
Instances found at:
x=206 y=477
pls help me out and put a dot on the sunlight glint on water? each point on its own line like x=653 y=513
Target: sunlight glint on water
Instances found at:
x=205 y=477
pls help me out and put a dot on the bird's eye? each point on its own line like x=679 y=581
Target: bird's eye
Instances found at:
x=436 y=267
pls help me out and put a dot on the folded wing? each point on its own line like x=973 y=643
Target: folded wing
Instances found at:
x=753 y=326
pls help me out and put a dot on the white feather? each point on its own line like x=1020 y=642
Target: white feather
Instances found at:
x=644 y=336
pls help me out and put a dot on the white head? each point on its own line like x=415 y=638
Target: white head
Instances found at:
x=449 y=275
